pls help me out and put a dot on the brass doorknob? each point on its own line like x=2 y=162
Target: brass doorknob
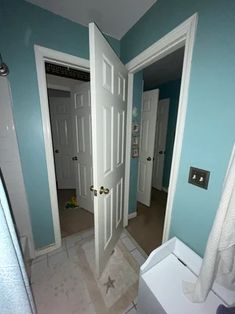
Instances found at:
x=104 y=190
x=93 y=190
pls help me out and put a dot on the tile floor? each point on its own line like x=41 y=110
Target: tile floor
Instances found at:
x=70 y=297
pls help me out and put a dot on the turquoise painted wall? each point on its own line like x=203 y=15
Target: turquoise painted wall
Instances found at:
x=210 y=128
x=137 y=100
x=170 y=90
x=21 y=26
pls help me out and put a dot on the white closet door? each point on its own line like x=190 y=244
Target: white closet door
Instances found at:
x=160 y=142
x=62 y=134
x=83 y=144
x=147 y=138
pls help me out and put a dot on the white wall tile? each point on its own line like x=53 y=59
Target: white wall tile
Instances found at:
x=11 y=166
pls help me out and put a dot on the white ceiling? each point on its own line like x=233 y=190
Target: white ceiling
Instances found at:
x=165 y=70
x=113 y=17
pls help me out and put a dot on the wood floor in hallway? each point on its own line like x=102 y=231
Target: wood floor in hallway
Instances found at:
x=147 y=227
x=72 y=220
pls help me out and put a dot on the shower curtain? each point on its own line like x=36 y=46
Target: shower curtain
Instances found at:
x=15 y=292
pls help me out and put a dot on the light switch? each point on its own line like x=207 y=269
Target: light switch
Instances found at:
x=199 y=177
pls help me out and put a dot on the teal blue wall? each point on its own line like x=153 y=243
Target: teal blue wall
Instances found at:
x=170 y=90
x=21 y=26
x=137 y=99
x=210 y=128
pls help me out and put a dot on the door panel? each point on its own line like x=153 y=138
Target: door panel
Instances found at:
x=108 y=113
x=142 y=176
x=108 y=108
x=62 y=134
x=108 y=203
x=80 y=131
x=119 y=201
x=120 y=137
x=83 y=145
x=160 y=142
x=147 y=137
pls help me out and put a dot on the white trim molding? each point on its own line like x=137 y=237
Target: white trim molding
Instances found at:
x=132 y=215
x=59 y=87
x=128 y=148
x=181 y=36
x=43 y=54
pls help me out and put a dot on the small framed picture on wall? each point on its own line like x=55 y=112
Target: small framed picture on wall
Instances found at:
x=135 y=140
x=135 y=151
x=135 y=128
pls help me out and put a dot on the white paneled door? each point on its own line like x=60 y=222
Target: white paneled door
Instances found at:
x=81 y=112
x=147 y=137
x=61 y=124
x=160 y=142
x=108 y=111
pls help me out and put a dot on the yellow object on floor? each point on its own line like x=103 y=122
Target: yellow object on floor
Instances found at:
x=72 y=203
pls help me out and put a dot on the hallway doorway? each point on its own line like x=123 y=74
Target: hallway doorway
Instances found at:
x=157 y=122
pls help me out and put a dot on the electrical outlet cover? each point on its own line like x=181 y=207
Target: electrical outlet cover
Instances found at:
x=199 y=177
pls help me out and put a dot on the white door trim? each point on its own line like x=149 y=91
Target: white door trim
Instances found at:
x=59 y=87
x=43 y=54
x=183 y=35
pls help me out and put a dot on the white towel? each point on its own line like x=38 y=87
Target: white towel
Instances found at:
x=219 y=259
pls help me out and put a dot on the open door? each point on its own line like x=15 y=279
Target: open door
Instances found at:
x=82 y=158
x=62 y=134
x=108 y=111
x=160 y=142
x=147 y=138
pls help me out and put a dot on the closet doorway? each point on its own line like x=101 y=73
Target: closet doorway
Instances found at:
x=70 y=119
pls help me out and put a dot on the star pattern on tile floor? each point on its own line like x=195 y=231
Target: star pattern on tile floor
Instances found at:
x=58 y=285
x=109 y=284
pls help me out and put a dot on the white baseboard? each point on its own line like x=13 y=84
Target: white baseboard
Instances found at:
x=26 y=257
x=165 y=189
x=132 y=215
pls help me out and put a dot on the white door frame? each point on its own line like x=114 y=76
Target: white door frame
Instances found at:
x=183 y=35
x=59 y=87
x=43 y=54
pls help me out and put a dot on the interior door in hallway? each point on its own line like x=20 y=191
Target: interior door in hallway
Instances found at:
x=62 y=134
x=83 y=144
x=147 y=138
x=160 y=142
x=108 y=110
